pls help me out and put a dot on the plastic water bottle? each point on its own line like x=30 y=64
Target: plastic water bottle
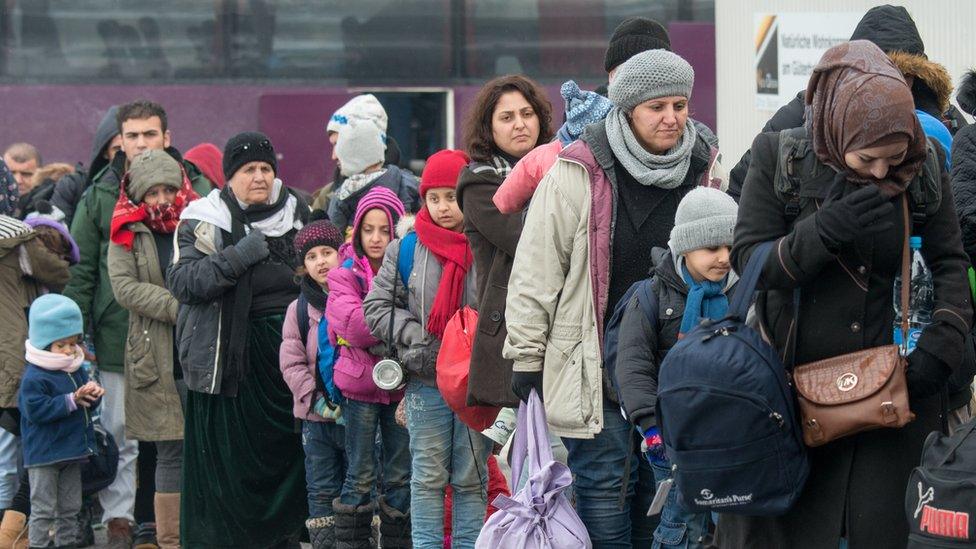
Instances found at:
x=920 y=302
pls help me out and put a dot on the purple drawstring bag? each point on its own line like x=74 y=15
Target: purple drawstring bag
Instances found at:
x=539 y=516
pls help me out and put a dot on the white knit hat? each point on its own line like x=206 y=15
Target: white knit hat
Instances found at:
x=360 y=145
x=705 y=218
x=361 y=107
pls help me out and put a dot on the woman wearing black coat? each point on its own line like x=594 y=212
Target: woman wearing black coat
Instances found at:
x=843 y=251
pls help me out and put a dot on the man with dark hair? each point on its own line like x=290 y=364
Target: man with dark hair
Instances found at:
x=22 y=159
x=142 y=125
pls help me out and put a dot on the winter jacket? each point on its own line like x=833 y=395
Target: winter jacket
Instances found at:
x=27 y=269
x=417 y=349
x=494 y=237
x=514 y=193
x=90 y=286
x=641 y=345
x=403 y=183
x=50 y=431
x=788 y=116
x=353 y=371
x=857 y=483
x=299 y=362
x=153 y=411
x=68 y=191
x=964 y=186
x=559 y=287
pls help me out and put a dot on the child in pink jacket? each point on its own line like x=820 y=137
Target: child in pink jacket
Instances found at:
x=367 y=409
x=304 y=358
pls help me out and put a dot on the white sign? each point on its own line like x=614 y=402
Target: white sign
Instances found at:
x=788 y=46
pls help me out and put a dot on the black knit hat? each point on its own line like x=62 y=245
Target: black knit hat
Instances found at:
x=248 y=147
x=635 y=35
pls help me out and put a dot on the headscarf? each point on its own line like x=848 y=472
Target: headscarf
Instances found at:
x=857 y=99
x=209 y=159
x=161 y=218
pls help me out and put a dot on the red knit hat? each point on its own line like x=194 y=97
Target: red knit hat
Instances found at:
x=442 y=170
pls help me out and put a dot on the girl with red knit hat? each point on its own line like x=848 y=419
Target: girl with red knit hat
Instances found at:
x=442 y=280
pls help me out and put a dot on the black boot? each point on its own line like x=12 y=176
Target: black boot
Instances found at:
x=321 y=532
x=394 y=527
x=353 y=526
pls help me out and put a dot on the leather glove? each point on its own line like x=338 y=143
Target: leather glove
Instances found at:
x=864 y=212
x=524 y=382
x=926 y=374
x=252 y=248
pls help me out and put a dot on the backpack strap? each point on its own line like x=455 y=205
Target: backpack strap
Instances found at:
x=647 y=300
x=925 y=190
x=742 y=298
x=405 y=260
x=303 y=320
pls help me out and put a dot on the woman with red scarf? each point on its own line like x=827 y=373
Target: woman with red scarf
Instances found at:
x=153 y=194
x=444 y=450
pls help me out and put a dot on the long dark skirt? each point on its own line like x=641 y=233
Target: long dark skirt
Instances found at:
x=243 y=468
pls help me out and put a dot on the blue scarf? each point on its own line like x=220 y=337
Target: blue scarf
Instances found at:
x=326 y=360
x=705 y=299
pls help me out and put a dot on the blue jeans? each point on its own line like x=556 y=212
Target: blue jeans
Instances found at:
x=444 y=451
x=678 y=528
x=363 y=419
x=615 y=515
x=9 y=477
x=325 y=465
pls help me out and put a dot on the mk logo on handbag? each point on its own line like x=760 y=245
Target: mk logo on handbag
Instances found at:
x=847 y=382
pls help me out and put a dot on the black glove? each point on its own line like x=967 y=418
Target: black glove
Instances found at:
x=378 y=350
x=524 y=382
x=864 y=212
x=926 y=374
x=252 y=248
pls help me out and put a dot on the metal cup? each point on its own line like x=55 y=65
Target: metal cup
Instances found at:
x=388 y=375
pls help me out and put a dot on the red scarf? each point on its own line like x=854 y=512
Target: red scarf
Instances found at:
x=160 y=219
x=454 y=254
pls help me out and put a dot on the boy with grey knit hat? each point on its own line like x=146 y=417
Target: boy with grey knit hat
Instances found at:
x=691 y=281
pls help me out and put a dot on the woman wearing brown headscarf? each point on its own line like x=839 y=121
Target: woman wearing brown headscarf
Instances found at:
x=838 y=240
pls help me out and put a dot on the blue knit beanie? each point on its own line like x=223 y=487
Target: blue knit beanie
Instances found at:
x=53 y=317
x=582 y=109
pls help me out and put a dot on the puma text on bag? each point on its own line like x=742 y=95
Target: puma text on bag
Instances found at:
x=727 y=415
x=941 y=496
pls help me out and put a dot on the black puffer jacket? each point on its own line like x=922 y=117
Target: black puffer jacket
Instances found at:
x=964 y=186
x=641 y=346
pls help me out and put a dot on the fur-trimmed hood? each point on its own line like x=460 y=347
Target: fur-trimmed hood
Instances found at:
x=933 y=75
x=405 y=225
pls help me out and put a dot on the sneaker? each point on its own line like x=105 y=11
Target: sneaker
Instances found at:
x=145 y=537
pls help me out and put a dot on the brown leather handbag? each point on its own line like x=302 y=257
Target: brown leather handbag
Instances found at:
x=860 y=391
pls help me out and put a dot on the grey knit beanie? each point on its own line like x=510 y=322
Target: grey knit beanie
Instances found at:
x=360 y=145
x=705 y=218
x=649 y=75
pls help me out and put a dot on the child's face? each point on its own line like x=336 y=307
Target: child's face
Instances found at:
x=442 y=204
x=319 y=261
x=374 y=233
x=67 y=346
x=708 y=263
x=158 y=195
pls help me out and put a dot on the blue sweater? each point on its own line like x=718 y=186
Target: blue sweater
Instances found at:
x=51 y=432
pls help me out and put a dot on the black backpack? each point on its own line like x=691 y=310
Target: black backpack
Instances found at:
x=941 y=495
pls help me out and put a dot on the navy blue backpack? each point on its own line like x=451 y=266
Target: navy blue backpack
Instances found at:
x=728 y=416
x=611 y=333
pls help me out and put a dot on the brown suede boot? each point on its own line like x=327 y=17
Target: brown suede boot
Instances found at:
x=13 y=530
x=167 y=520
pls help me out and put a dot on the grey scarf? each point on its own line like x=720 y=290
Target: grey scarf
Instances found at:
x=666 y=171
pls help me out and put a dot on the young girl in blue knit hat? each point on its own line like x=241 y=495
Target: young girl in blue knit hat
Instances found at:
x=54 y=400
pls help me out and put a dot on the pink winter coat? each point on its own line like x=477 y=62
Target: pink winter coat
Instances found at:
x=353 y=371
x=298 y=362
x=514 y=193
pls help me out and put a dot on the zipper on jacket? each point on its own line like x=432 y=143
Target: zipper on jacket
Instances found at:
x=213 y=382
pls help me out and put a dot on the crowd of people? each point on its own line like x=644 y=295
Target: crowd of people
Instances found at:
x=208 y=357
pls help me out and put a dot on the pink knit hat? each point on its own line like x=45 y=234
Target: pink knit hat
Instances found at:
x=382 y=198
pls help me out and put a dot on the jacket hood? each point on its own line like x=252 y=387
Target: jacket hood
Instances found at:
x=405 y=225
x=932 y=83
x=966 y=96
x=74 y=255
x=107 y=129
x=891 y=28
